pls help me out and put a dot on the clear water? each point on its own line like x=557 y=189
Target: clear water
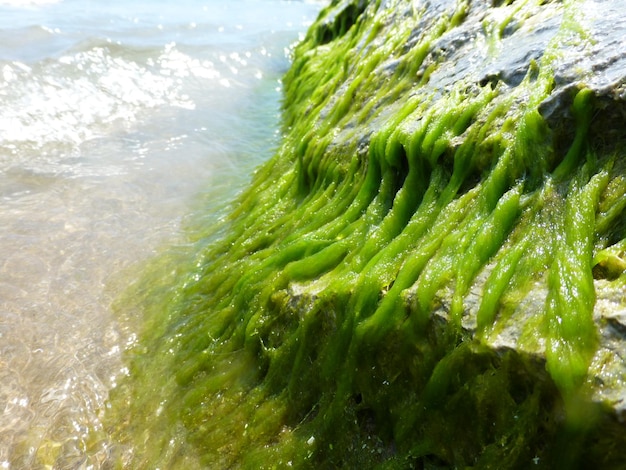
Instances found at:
x=115 y=117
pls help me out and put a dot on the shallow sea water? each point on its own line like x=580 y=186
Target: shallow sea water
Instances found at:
x=116 y=118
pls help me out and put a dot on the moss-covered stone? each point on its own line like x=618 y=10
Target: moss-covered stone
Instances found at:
x=428 y=274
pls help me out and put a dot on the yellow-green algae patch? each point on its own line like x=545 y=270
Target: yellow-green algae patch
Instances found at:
x=409 y=282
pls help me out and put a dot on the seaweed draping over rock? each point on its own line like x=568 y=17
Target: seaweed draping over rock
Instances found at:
x=429 y=273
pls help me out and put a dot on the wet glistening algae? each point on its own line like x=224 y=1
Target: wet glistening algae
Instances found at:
x=410 y=282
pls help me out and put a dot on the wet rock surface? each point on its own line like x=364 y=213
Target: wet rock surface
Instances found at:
x=499 y=44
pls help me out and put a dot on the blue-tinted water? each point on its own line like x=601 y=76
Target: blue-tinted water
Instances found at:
x=115 y=117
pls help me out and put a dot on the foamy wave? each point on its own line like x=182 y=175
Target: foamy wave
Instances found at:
x=79 y=96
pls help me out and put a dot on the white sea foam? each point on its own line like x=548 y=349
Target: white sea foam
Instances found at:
x=80 y=96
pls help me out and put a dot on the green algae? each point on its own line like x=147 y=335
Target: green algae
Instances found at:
x=328 y=326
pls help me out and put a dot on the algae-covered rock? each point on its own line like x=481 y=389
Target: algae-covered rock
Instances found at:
x=430 y=271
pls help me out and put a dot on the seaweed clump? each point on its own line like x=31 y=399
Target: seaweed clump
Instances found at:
x=409 y=282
